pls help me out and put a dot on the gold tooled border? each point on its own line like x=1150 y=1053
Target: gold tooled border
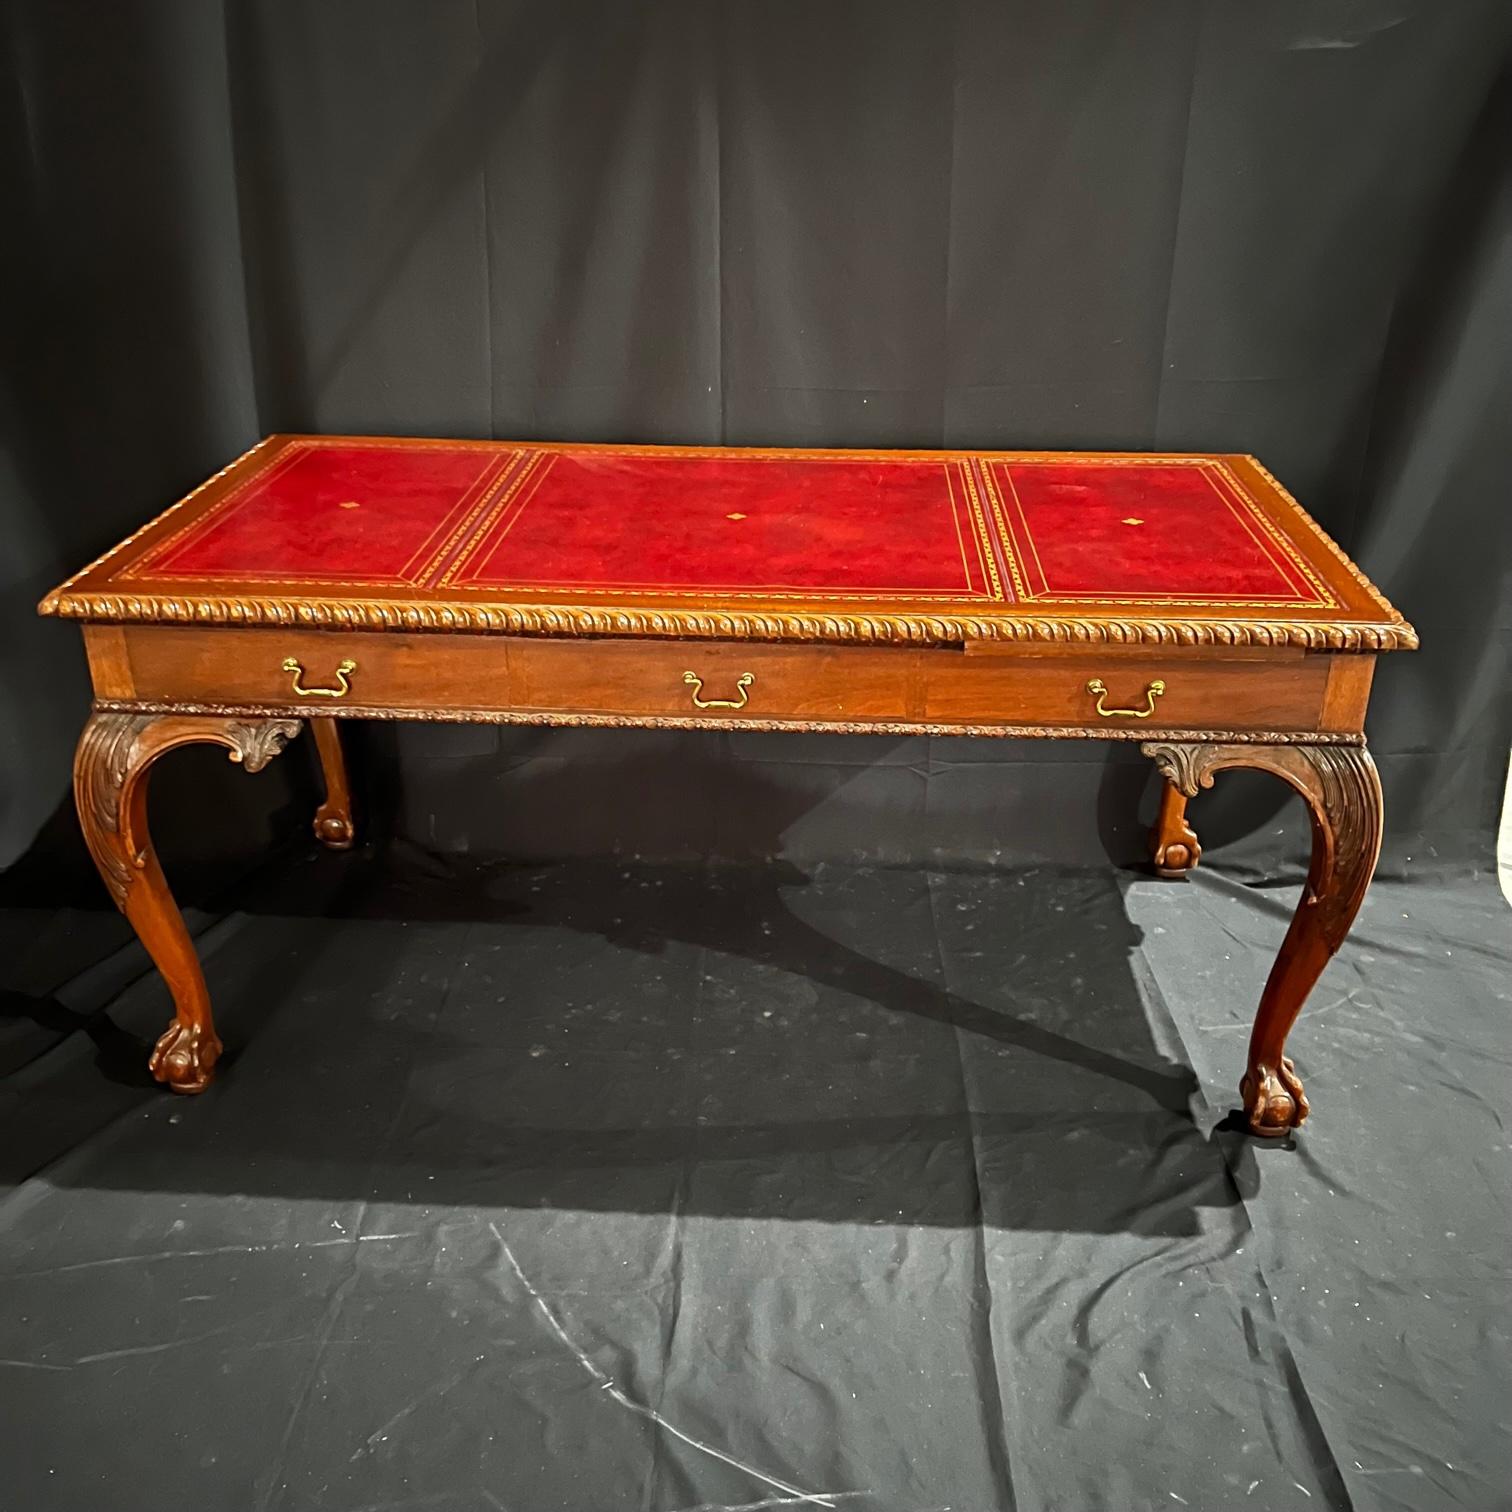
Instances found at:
x=483 y=545
x=1244 y=507
x=412 y=574
x=1374 y=594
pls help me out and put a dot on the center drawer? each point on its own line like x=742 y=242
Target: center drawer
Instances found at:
x=719 y=680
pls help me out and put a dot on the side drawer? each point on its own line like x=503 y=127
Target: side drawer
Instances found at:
x=1122 y=690
x=316 y=670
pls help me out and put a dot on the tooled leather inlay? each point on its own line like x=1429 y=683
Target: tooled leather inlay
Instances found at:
x=963 y=530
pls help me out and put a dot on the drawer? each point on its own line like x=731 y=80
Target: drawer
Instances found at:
x=1121 y=690
x=719 y=679
x=314 y=670
x=392 y=673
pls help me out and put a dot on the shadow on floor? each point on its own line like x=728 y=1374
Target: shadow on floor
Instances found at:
x=851 y=1044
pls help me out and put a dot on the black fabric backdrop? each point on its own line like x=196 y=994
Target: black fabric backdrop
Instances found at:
x=1283 y=228
x=678 y=1186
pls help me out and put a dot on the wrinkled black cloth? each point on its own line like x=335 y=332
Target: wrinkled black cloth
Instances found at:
x=583 y=1187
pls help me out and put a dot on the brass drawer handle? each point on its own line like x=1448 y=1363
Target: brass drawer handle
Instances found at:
x=1099 y=689
x=344 y=670
x=742 y=683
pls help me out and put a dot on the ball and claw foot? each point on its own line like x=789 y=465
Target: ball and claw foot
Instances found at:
x=333 y=828
x=1176 y=860
x=184 y=1058
x=1274 y=1102
x=1174 y=847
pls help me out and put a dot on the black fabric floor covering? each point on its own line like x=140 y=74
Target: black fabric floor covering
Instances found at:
x=592 y=1187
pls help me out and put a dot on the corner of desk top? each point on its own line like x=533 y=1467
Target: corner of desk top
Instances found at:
x=65 y=603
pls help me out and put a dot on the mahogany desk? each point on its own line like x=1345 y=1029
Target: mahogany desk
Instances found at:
x=1186 y=602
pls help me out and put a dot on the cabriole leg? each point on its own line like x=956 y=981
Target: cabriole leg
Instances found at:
x=115 y=754
x=1343 y=795
x=333 y=819
x=1173 y=842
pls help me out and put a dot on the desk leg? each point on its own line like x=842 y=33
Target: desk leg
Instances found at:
x=333 y=819
x=1343 y=795
x=115 y=753
x=1174 y=847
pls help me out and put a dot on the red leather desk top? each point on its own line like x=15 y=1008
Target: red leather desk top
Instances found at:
x=821 y=545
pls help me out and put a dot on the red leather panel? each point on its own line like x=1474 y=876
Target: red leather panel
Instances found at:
x=477 y=519
x=742 y=524
x=1097 y=530
x=363 y=513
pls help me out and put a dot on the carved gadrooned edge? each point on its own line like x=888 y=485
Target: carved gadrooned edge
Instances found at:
x=115 y=747
x=795 y=625
x=574 y=720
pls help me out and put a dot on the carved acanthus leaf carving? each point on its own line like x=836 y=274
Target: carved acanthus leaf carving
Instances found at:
x=115 y=751
x=1343 y=793
x=254 y=743
x=1180 y=763
x=104 y=758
